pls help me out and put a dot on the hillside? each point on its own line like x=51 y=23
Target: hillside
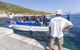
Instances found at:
x=7 y=7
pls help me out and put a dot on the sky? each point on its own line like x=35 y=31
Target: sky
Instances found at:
x=48 y=5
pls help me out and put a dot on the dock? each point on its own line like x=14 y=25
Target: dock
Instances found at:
x=11 y=41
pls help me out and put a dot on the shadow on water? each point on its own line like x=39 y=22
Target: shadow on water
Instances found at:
x=41 y=37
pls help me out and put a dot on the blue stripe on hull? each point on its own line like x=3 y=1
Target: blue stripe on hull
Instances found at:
x=29 y=23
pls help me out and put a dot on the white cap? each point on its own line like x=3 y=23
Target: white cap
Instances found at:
x=59 y=12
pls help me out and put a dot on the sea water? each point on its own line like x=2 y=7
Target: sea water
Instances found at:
x=71 y=38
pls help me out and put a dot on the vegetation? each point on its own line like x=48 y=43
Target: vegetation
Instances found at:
x=7 y=7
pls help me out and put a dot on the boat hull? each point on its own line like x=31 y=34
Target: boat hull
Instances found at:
x=29 y=28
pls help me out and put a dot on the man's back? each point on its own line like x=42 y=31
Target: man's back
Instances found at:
x=57 y=24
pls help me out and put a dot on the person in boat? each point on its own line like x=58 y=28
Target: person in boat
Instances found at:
x=27 y=18
x=22 y=19
x=37 y=19
x=68 y=17
x=44 y=20
x=11 y=20
x=40 y=18
x=33 y=18
x=10 y=17
x=57 y=26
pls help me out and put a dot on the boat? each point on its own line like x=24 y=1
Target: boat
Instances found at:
x=28 y=26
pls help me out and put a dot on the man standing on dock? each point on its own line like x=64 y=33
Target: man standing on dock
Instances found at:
x=57 y=26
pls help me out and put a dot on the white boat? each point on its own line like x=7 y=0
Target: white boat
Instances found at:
x=27 y=26
x=30 y=28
